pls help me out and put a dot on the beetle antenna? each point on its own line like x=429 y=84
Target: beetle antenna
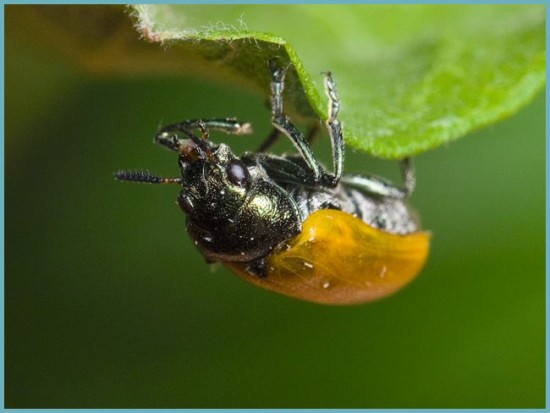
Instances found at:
x=145 y=177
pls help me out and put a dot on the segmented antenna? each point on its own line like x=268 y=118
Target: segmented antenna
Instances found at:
x=144 y=177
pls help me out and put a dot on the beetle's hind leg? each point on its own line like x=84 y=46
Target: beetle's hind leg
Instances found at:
x=408 y=175
x=377 y=187
x=319 y=176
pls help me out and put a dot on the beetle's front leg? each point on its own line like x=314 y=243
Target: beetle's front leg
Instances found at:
x=228 y=125
x=168 y=135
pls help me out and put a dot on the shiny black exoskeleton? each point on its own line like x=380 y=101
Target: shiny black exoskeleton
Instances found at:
x=239 y=209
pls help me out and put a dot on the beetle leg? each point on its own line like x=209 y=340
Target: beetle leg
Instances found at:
x=282 y=123
x=257 y=267
x=313 y=133
x=227 y=125
x=269 y=141
x=408 y=174
x=334 y=128
x=379 y=187
x=167 y=136
x=275 y=134
x=285 y=169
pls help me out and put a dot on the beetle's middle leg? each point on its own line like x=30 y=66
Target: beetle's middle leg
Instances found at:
x=282 y=123
x=275 y=134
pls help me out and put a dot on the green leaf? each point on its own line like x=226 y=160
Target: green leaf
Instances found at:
x=410 y=77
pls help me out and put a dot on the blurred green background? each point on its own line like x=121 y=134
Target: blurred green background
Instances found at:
x=109 y=305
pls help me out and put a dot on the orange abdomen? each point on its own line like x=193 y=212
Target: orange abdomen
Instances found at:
x=339 y=259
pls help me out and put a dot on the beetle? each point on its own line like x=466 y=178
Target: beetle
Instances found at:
x=284 y=222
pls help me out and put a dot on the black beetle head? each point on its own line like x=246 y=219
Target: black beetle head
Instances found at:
x=215 y=181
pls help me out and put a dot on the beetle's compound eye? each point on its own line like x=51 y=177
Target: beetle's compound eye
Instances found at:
x=237 y=172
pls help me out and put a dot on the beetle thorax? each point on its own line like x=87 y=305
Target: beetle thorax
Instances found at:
x=234 y=211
